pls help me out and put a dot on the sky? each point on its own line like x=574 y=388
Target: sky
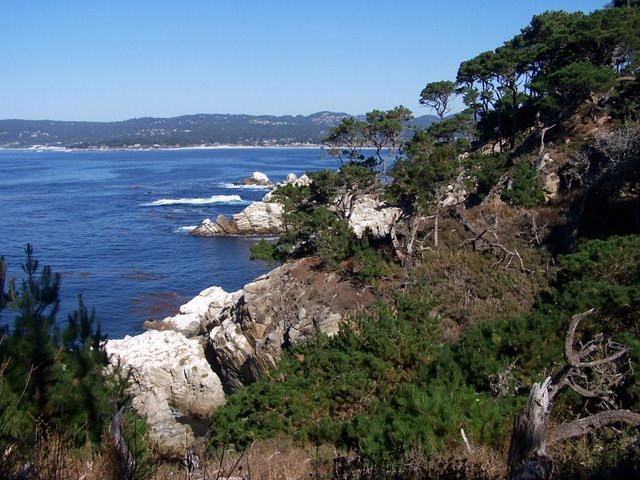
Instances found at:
x=94 y=60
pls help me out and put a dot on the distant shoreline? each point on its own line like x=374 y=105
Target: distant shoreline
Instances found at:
x=38 y=148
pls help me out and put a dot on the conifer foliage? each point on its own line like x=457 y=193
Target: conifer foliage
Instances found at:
x=50 y=377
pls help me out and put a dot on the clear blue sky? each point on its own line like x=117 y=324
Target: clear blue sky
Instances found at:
x=113 y=60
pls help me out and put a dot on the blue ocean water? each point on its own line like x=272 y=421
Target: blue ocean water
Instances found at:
x=114 y=223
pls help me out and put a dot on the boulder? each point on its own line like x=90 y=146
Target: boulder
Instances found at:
x=550 y=185
x=302 y=181
x=258 y=178
x=260 y=218
x=169 y=375
x=290 y=178
x=456 y=193
x=285 y=306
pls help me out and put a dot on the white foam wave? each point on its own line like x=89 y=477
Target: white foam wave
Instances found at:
x=186 y=229
x=245 y=187
x=196 y=201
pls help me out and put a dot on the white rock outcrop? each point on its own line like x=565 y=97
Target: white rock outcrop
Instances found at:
x=259 y=218
x=169 y=375
x=258 y=178
x=376 y=216
x=456 y=193
x=290 y=178
x=194 y=316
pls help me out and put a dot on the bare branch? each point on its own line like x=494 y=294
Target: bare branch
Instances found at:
x=572 y=358
x=604 y=395
x=590 y=377
x=542 y=133
x=583 y=426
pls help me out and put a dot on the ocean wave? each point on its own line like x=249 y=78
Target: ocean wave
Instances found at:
x=186 y=229
x=245 y=187
x=196 y=201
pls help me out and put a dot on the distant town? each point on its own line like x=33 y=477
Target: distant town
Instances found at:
x=189 y=131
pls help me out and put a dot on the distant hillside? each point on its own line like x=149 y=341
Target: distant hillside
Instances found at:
x=188 y=130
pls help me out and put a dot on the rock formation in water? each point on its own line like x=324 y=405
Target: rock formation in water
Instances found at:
x=259 y=218
x=258 y=178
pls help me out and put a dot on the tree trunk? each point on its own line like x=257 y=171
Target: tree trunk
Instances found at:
x=435 y=228
x=530 y=429
x=127 y=462
x=544 y=131
x=3 y=277
x=514 y=117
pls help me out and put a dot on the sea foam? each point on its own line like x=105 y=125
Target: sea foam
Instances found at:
x=245 y=187
x=186 y=229
x=196 y=201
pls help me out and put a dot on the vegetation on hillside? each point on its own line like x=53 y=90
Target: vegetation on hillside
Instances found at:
x=476 y=289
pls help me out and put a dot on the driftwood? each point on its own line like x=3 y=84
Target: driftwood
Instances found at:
x=593 y=372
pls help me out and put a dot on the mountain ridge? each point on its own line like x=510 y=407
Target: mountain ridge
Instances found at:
x=182 y=131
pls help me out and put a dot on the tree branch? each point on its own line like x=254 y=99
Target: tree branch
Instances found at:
x=583 y=426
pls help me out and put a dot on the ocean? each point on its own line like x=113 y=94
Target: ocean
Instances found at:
x=115 y=224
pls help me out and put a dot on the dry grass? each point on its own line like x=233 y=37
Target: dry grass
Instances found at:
x=264 y=460
x=53 y=459
x=480 y=463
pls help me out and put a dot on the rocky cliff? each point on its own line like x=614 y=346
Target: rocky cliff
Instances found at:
x=223 y=340
x=283 y=307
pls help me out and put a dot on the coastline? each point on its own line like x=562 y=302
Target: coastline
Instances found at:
x=44 y=148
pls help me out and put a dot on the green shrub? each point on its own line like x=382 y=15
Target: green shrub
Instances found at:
x=47 y=377
x=427 y=418
x=265 y=251
x=487 y=170
x=369 y=263
x=317 y=387
x=525 y=188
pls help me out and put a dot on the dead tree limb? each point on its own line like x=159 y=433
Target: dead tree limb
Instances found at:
x=542 y=133
x=124 y=454
x=583 y=426
x=481 y=244
x=593 y=371
x=458 y=215
x=396 y=243
x=3 y=277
